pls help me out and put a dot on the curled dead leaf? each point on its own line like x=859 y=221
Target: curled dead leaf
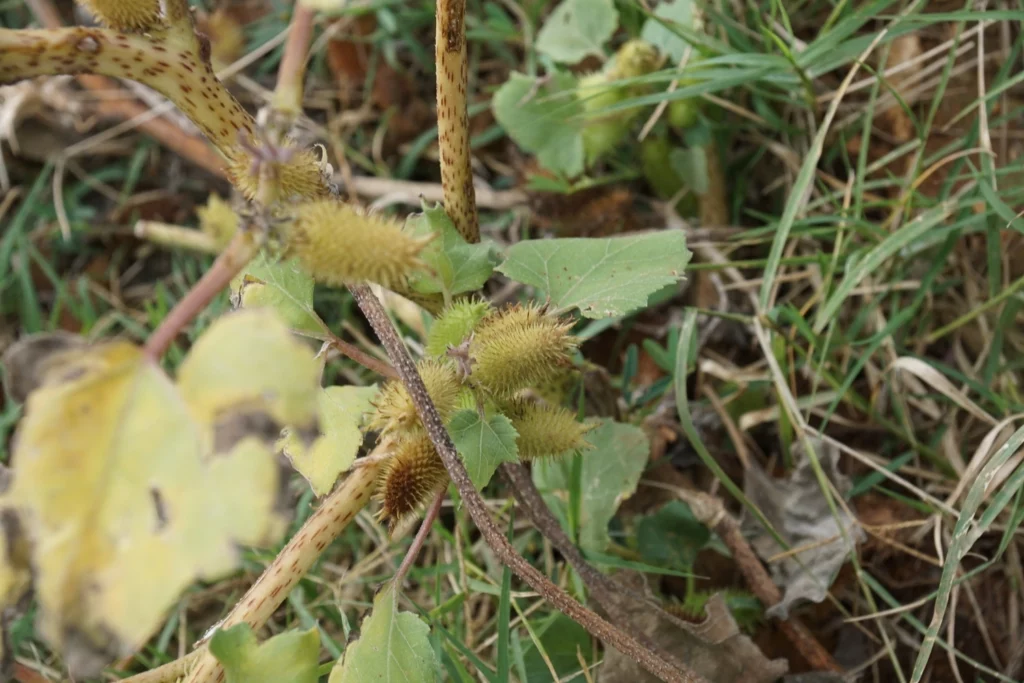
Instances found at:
x=713 y=648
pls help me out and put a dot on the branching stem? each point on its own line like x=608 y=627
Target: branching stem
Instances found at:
x=495 y=539
x=230 y=262
x=421 y=537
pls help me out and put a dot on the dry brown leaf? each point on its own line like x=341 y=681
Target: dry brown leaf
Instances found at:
x=798 y=510
x=714 y=648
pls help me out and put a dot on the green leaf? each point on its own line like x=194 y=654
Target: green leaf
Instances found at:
x=691 y=164
x=667 y=41
x=561 y=639
x=538 y=119
x=483 y=445
x=603 y=277
x=290 y=657
x=341 y=410
x=458 y=266
x=280 y=285
x=394 y=647
x=610 y=475
x=672 y=536
x=577 y=29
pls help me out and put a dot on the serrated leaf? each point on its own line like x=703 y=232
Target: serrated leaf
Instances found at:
x=393 y=647
x=657 y=34
x=280 y=285
x=126 y=492
x=603 y=277
x=610 y=474
x=538 y=118
x=341 y=410
x=289 y=657
x=483 y=445
x=577 y=29
x=458 y=266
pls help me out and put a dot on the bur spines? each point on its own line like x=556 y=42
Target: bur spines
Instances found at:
x=519 y=347
x=339 y=245
x=218 y=220
x=395 y=411
x=126 y=15
x=409 y=479
x=546 y=430
x=455 y=324
x=297 y=178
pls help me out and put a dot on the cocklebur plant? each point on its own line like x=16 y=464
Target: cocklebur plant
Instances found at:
x=199 y=457
x=492 y=361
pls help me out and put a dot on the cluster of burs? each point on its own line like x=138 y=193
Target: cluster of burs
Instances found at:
x=516 y=362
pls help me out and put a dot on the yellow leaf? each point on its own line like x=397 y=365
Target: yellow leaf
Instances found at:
x=249 y=358
x=126 y=493
x=341 y=411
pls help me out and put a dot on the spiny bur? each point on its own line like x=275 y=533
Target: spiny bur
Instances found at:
x=296 y=176
x=519 y=347
x=546 y=430
x=218 y=220
x=455 y=324
x=395 y=411
x=410 y=478
x=126 y=15
x=338 y=245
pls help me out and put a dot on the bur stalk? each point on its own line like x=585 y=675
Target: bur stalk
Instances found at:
x=453 y=118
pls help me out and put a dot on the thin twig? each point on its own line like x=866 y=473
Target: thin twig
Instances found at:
x=421 y=536
x=606 y=591
x=358 y=355
x=231 y=262
x=711 y=512
x=495 y=539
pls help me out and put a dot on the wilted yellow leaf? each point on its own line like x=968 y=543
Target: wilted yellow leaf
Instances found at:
x=126 y=493
x=341 y=411
x=250 y=359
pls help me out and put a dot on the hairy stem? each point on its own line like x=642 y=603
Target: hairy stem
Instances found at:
x=495 y=539
x=171 y=672
x=231 y=262
x=173 y=61
x=123 y=107
x=295 y=560
x=453 y=117
x=608 y=592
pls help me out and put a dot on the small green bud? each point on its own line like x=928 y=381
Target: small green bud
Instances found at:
x=455 y=324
